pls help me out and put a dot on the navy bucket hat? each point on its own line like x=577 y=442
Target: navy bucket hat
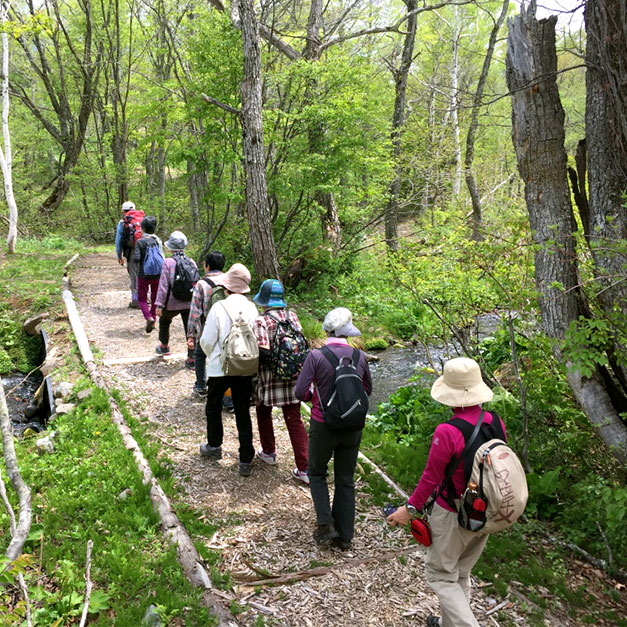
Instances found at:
x=270 y=294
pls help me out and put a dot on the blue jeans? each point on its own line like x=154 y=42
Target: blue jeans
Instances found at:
x=200 y=364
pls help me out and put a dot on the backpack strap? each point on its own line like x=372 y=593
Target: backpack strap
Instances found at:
x=447 y=482
x=331 y=357
x=356 y=358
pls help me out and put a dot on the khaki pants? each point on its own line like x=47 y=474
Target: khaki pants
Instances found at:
x=450 y=559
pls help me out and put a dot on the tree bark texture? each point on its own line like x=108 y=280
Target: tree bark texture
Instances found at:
x=606 y=143
x=6 y=159
x=261 y=235
x=538 y=136
x=398 y=122
x=18 y=539
x=471 y=182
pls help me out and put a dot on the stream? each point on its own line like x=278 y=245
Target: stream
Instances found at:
x=396 y=365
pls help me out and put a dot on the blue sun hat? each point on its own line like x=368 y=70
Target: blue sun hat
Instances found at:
x=270 y=294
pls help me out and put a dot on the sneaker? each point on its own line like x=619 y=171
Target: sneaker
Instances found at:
x=162 y=350
x=245 y=469
x=133 y=304
x=325 y=533
x=211 y=452
x=189 y=364
x=150 y=325
x=299 y=475
x=268 y=458
x=433 y=621
x=200 y=393
x=338 y=543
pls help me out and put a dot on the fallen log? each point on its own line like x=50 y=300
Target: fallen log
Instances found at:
x=174 y=531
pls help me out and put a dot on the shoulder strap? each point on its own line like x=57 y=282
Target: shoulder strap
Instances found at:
x=356 y=357
x=447 y=482
x=331 y=357
x=206 y=279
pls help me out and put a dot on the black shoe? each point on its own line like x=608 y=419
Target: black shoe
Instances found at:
x=433 y=621
x=150 y=325
x=211 y=452
x=325 y=533
x=133 y=304
x=245 y=468
x=338 y=543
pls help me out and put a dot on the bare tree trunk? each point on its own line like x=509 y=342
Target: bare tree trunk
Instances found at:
x=261 y=235
x=538 y=136
x=398 y=122
x=474 y=124
x=6 y=159
x=606 y=143
x=457 y=33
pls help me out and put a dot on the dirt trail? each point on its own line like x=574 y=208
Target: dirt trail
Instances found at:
x=266 y=520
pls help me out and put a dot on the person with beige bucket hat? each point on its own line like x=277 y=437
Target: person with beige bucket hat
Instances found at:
x=454 y=550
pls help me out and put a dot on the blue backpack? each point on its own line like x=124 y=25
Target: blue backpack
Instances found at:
x=153 y=261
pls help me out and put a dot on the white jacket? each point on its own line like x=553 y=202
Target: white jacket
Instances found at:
x=218 y=325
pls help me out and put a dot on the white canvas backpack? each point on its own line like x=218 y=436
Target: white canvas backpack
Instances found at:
x=240 y=351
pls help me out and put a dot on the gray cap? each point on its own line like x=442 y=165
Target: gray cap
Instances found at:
x=176 y=241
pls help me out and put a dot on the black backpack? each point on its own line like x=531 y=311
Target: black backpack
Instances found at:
x=347 y=405
x=185 y=277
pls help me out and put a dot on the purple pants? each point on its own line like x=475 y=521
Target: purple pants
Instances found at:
x=295 y=428
x=143 y=285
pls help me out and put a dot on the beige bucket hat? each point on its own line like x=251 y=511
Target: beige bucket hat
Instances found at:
x=236 y=279
x=461 y=384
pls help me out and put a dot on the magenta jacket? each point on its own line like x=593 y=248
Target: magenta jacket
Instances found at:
x=447 y=441
x=320 y=372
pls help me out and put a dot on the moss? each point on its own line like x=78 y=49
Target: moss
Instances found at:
x=375 y=344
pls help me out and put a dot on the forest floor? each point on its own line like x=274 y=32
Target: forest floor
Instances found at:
x=264 y=521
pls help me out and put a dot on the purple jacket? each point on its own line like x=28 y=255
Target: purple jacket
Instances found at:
x=320 y=372
x=165 y=286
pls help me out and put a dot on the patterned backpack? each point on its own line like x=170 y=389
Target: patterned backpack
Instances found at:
x=289 y=349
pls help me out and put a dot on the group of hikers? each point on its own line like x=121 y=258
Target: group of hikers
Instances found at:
x=264 y=360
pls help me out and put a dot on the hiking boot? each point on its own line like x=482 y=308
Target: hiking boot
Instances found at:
x=211 y=452
x=162 y=350
x=300 y=475
x=433 y=621
x=133 y=304
x=325 y=533
x=245 y=469
x=189 y=364
x=200 y=393
x=150 y=325
x=268 y=458
x=338 y=543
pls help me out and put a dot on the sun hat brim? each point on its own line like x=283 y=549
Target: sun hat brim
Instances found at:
x=459 y=396
x=348 y=330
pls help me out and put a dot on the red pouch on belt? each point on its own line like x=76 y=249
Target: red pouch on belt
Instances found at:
x=421 y=530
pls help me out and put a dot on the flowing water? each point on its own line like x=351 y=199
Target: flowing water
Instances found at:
x=396 y=365
x=19 y=394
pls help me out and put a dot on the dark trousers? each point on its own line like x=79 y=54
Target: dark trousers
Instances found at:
x=241 y=391
x=200 y=366
x=295 y=428
x=143 y=286
x=343 y=447
x=165 y=321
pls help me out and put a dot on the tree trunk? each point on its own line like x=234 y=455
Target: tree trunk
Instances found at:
x=538 y=136
x=261 y=235
x=398 y=122
x=606 y=143
x=6 y=159
x=457 y=32
x=474 y=124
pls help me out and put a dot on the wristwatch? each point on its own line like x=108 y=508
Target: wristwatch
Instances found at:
x=411 y=509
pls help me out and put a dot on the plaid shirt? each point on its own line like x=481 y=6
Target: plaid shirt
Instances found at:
x=199 y=308
x=271 y=391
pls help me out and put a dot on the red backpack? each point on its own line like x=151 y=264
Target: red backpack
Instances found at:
x=132 y=228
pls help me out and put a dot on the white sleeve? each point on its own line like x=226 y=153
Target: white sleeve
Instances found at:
x=211 y=332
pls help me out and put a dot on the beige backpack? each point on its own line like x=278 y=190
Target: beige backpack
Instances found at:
x=240 y=351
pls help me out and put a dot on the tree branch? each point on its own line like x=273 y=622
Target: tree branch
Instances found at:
x=217 y=103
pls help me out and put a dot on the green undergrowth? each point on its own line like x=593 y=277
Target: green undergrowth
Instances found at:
x=90 y=488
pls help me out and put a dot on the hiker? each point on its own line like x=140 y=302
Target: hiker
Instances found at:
x=229 y=323
x=148 y=255
x=205 y=292
x=126 y=235
x=178 y=277
x=272 y=390
x=454 y=550
x=317 y=382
